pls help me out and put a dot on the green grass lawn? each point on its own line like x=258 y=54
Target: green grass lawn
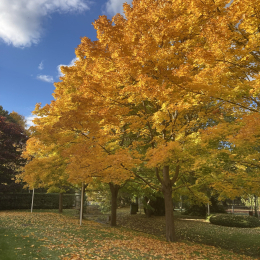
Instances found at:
x=189 y=228
x=47 y=235
x=239 y=240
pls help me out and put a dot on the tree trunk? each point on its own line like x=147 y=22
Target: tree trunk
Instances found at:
x=60 y=202
x=256 y=213
x=84 y=186
x=114 y=188
x=167 y=192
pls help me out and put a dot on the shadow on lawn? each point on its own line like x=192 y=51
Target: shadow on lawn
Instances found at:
x=239 y=240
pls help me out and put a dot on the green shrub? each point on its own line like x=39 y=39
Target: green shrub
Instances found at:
x=201 y=210
x=229 y=220
x=196 y=210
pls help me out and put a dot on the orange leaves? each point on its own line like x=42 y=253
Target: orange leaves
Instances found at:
x=250 y=129
x=165 y=154
x=216 y=132
x=152 y=79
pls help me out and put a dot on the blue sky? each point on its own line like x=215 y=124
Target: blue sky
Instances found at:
x=36 y=37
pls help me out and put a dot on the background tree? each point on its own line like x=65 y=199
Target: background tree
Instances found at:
x=234 y=152
x=12 y=142
x=19 y=119
x=7 y=115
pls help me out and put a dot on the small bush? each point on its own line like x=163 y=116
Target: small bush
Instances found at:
x=229 y=220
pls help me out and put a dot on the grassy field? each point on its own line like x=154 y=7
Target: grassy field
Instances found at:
x=240 y=240
x=47 y=235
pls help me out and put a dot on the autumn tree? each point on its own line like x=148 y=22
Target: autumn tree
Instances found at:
x=19 y=119
x=148 y=55
x=174 y=66
x=12 y=142
x=155 y=77
x=7 y=115
x=87 y=152
x=45 y=168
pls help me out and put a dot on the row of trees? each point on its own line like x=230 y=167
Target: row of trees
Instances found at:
x=166 y=98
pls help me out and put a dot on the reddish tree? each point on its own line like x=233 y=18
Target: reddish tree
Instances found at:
x=12 y=141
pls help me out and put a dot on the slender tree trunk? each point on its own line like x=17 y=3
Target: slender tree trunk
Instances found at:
x=256 y=214
x=114 y=188
x=60 y=202
x=83 y=192
x=167 y=192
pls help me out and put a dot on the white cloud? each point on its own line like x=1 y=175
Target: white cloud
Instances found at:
x=116 y=6
x=40 y=67
x=21 y=20
x=60 y=74
x=29 y=120
x=45 y=78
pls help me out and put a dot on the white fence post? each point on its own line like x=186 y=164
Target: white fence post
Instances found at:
x=32 y=201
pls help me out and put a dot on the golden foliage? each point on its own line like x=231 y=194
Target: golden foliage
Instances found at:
x=153 y=79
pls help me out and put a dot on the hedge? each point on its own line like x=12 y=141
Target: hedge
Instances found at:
x=41 y=201
x=230 y=220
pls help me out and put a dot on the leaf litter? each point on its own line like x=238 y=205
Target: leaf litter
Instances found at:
x=98 y=241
